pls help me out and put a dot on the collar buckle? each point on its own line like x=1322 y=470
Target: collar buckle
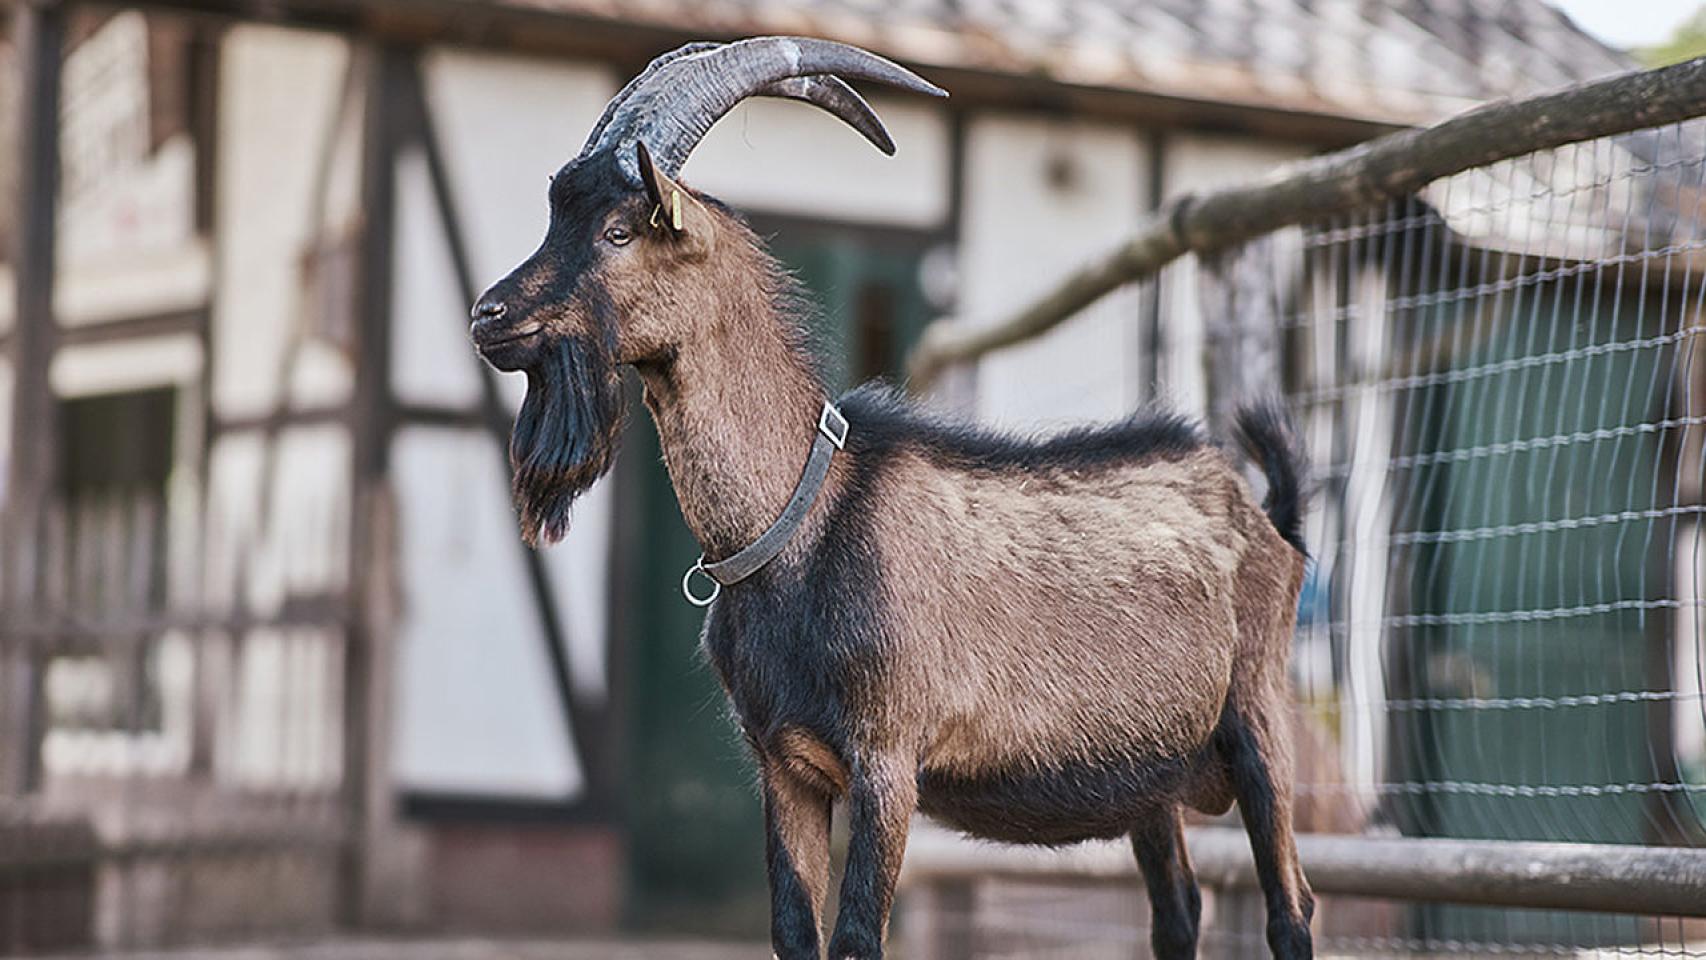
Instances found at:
x=833 y=425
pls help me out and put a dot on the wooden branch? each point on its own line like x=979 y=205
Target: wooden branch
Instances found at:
x=1389 y=167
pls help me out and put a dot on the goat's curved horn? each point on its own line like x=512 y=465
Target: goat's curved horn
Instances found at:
x=828 y=93
x=832 y=94
x=672 y=104
x=658 y=62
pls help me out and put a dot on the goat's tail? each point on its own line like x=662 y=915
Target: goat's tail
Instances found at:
x=1264 y=431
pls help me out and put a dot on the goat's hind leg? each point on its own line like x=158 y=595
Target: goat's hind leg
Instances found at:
x=1175 y=902
x=1258 y=756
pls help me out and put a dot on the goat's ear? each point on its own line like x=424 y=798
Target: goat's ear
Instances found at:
x=673 y=209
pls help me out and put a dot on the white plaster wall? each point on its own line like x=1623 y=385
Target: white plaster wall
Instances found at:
x=279 y=94
x=476 y=710
x=432 y=360
x=1192 y=163
x=262 y=549
x=122 y=365
x=126 y=242
x=1021 y=233
x=779 y=156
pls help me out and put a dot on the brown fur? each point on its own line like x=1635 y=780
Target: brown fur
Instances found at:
x=812 y=761
x=1106 y=569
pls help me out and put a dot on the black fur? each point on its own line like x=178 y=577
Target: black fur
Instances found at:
x=1264 y=431
x=1175 y=900
x=884 y=418
x=1055 y=806
x=565 y=433
x=795 y=649
x=866 y=897
x=1288 y=933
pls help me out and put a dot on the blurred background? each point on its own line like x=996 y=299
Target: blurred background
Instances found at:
x=276 y=666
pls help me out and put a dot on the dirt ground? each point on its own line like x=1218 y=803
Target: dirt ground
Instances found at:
x=377 y=949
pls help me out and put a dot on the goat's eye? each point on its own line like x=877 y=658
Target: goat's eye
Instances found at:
x=618 y=236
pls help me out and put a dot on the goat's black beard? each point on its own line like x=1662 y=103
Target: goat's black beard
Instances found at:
x=565 y=434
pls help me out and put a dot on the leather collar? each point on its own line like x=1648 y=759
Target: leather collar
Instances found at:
x=831 y=436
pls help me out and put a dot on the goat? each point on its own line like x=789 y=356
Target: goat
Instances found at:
x=1035 y=641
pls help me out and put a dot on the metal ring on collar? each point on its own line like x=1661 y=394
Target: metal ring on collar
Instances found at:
x=687 y=584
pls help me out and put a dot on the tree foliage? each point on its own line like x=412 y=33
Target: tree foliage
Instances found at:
x=1686 y=42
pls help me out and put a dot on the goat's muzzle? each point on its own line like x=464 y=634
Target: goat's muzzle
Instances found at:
x=507 y=343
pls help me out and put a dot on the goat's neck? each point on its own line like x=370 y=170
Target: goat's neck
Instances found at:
x=736 y=415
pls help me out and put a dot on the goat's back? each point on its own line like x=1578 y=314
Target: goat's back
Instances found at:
x=1071 y=612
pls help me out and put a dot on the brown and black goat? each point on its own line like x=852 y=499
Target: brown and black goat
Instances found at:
x=1039 y=641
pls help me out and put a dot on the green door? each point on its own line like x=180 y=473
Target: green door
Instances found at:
x=1536 y=570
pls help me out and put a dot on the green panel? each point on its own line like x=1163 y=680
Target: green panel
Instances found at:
x=694 y=822
x=1536 y=579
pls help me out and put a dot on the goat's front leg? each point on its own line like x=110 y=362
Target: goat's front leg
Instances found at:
x=796 y=827
x=881 y=798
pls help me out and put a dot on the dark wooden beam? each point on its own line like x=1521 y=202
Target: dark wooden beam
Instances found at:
x=1154 y=341
x=1596 y=877
x=426 y=415
x=192 y=321
x=372 y=535
x=39 y=37
x=276 y=420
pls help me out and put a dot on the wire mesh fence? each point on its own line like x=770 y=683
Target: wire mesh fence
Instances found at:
x=1499 y=382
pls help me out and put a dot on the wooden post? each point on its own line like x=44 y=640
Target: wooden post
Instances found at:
x=1241 y=320
x=1241 y=323
x=365 y=788
x=39 y=33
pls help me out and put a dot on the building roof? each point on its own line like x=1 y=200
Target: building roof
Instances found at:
x=1389 y=61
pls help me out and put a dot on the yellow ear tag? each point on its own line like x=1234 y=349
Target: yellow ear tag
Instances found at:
x=655 y=211
x=675 y=209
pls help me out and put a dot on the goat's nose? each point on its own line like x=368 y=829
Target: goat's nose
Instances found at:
x=487 y=311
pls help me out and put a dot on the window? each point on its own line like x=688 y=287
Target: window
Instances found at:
x=103 y=559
